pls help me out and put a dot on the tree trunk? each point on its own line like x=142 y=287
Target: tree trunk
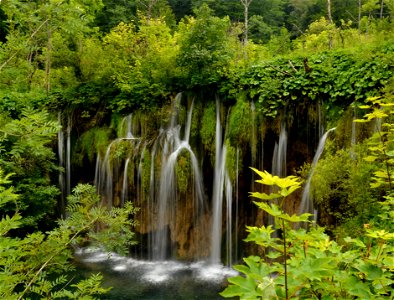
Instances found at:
x=381 y=9
x=359 y=17
x=246 y=4
x=48 y=61
x=331 y=22
x=329 y=11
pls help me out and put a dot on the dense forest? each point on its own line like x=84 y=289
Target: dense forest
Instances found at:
x=256 y=72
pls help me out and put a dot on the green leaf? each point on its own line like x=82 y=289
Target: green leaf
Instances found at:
x=357 y=288
x=264 y=196
x=370 y=158
x=356 y=242
x=372 y=272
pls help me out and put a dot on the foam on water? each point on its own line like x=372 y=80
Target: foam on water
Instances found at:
x=156 y=271
x=212 y=272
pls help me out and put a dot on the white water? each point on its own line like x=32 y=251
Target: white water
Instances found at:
x=280 y=154
x=154 y=272
x=221 y=185
x=114 y=184
x=62 y=179
x=105 y=171
x=306 y=205
x=354 y=131
x=167 y=197
x=320 y=125
x=64 y=153
x=68 y=156
x=124 y=194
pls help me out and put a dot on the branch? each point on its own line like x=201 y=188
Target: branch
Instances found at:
x=292 y=66
x=279 y=70
x=52 y=257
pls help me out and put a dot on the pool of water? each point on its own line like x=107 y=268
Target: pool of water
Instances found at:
x=140 y=279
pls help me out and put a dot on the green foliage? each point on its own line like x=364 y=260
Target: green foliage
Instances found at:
x=308 y=265
x=114 y=225
x=233 y=161
x=143 y=63
x=94 y=141
x=38 y=265
x=204 y=47
x=336 y=78
x=240 y=123
x=25 y=151
x=183 y=171
x=208 y=128
x=348 y=188
x=340 y=189
x=145 y=174
x=381 y=144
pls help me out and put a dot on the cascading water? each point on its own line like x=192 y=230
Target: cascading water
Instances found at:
x=105 y=170
x=125 y=183
x=306 y=205
x=221 y=185
x=68 y=156
x=62 y=179
x=280 y=154
x=161 y=199
x=279 y=160
x=354 y=130
x=167 y=197
x=320 y=125
x=64 y=153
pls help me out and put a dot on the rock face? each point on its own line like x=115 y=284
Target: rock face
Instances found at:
x=186 y=168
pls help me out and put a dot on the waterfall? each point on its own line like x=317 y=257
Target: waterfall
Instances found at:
x=129 y=133
x=280 y=154
x=320 y=114
x=105 y=172
x=68 y=156
x=229 y=197
x=236 y=205
x=167 y=198
x=354 y=131
x=62 y=179
x=97 y=173
x=189 y=122
x=221 y=185
x=253 y=142
x=124 y=194
x=119 y=180
x=106 y=178
x=306 y=205
x=64 y=153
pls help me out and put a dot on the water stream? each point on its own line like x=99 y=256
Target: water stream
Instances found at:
x=306 y=205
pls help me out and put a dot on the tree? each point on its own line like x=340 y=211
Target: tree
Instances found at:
x=246 y=4
x=115 y=12
x=303 y=12
x=27 y=61
x=26 y=152
x=156 y=9
x=181 y=8
x=205 y=47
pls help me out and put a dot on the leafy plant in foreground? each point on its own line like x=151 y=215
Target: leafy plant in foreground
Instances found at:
x=302 y=264
x=38 y=265
x=381 y=144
